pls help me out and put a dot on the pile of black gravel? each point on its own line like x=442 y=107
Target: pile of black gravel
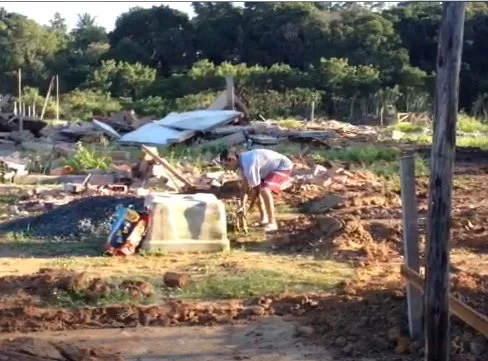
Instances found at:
x=80 y=218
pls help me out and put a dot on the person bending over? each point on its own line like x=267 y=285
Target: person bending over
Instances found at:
x=263 y=172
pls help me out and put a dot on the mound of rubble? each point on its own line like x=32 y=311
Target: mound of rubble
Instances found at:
x=79 y=218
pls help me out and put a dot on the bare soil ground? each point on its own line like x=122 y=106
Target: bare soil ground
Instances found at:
x=334 y=264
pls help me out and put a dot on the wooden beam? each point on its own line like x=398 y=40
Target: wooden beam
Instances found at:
x=436 y=305
x=411 y=242
x=168 y=166
x=458 y=308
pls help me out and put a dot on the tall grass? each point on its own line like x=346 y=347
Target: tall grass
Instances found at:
x=469 y=124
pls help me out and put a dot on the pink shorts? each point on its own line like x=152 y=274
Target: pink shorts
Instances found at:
x=277 y=181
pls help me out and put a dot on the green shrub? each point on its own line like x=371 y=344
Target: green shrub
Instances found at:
x=469 y=124
x=89 y=157
x=85 y=104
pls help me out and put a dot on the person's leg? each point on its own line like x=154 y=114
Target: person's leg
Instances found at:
x=270 y=210
x=263 y=215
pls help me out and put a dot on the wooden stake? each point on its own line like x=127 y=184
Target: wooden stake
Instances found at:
x=21 y=110
x=47 y=98
x=411 y=242
x=312 y=112
x=229 y=85
x=442 y=159
x=57 y=97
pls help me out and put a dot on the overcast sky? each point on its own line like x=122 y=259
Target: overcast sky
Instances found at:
x=106 y=12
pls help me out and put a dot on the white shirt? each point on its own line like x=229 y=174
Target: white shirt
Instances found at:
x=257 y=164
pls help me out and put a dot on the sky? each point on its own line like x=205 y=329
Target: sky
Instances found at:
x=106 y=12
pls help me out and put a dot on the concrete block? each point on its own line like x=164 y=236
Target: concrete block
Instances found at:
x=186 y=223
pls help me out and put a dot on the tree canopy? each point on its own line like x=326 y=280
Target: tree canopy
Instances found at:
x=352 y=58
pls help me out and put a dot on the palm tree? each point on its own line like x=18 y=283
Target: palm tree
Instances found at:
x=85 y=20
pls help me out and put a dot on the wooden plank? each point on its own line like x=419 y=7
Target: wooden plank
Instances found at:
x=168 y=166
x=449 y=51
x=458 y=308
x=411 y=242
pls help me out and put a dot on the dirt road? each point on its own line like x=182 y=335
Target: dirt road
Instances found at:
x=271 y=339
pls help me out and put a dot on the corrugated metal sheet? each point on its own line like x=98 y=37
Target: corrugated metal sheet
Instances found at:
x=199 y=120
x=157 y=135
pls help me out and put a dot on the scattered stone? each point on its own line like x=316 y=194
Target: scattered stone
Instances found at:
x=179 y=280
x=415 y=347
x=394 y=334
x=403 y=344
x=478 y=346
x=254 y=311
x=348 y=349
x=340 y=341
x=329 y=225
x=305 y=331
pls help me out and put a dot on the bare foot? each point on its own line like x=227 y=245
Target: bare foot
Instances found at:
x=271 y=227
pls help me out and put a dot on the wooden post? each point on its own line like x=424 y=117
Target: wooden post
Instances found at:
x=411 y=242
x=21 y=110
x=312 y=111
x=442 y=160
x=57 y=97
x=47 y=98
x=229 y=86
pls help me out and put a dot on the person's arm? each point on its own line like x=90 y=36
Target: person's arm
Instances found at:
x=251 y=182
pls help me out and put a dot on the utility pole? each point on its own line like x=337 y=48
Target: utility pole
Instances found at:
x=436 y=323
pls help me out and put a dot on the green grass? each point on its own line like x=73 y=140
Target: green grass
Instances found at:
x=259 y=282
x=469 y=124
x=24 y=244
x=291 y=123
x=464 y=142
x=406 y=127
x=78 y=300
x=361 y=154
x=391 y=170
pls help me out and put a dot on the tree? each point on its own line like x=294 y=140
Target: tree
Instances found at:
x=27 y=45
x=58 y=23
x=165 y=42
x=87 y=32
x=122 y=79
x=218 y=31
x=289 y=33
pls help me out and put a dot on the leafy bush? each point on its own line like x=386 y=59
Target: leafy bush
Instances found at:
x=89 y=157
x=274 y=104
x=85 y=104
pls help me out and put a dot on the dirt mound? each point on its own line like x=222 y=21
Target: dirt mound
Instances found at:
x=30 y=349
x=51 y=286
x=81 y=217
x=472 y=289
x=341 y=237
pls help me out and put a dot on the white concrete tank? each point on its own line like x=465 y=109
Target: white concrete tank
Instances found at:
x=186 y=223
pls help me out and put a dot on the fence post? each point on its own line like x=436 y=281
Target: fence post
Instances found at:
x=449 y=51
x=411 y=242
